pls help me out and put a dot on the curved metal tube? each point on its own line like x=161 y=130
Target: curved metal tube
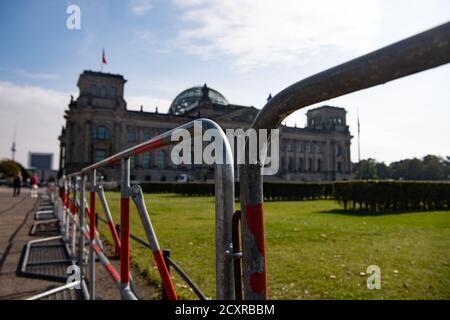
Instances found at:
x=421 y=52
x=224 y=206
x=418 y=53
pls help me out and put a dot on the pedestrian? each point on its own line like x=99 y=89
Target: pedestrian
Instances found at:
x=17 y=184
x=34 y=184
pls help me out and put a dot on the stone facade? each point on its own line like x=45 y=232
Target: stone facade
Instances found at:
x=98 y=125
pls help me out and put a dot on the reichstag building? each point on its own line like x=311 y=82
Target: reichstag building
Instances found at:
x=98 y=124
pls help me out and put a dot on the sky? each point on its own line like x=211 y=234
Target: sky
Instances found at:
x=244 y=49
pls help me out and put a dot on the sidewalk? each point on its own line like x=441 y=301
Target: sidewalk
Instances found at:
x=16 y=220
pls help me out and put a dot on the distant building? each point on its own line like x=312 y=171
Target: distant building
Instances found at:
x=98 y=124
x=42 y=164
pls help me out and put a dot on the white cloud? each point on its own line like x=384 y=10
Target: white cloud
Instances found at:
x=37 y=75
x=141 y=7
x=37 y=114
x=144 y=35
x=263 y=32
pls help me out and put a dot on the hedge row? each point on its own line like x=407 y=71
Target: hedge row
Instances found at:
x=376 y=196
x=370 y=196
x=272 y=191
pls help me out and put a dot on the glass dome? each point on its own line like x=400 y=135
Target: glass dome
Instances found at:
x=190 y=98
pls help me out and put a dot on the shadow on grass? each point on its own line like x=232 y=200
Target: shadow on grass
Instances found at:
x=363 y=213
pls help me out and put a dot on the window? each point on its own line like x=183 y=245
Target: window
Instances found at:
x=319 y=148
x=310 y=164
x=161 y=159
x=289 y=147
x=132 y=137
x=301 y=147
x=148 y=178
x=112 y=92
x=300 y=164
x=132 y=162
x=291 y=165
x=101 y=133
x=93 y=90
x=100 y=154
x=146 y=160
x=338 y=150
x=309 y=147
x=339 y=167
x=319 y=165
x=103 y=91
x=147 y=136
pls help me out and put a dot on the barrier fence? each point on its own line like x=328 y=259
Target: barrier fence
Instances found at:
x=418 y=53
x=78 y=209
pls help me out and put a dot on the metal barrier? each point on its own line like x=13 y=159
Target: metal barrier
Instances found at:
x=77 y=207
x=418 y=53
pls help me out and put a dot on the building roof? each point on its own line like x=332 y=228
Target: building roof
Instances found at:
x=104 y=74
x=326 y=107
x=190 y=98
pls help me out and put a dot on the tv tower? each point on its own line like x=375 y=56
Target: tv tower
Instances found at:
x=13 y=147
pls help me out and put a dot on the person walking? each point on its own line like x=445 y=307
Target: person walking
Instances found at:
x=34 y=184
x=17 y=184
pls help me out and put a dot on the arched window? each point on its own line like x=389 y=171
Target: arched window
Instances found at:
x=161 y=159
x=93 y=89
x=338 y=150
x=101 y=133
x=102 y=91
x=112 y=92
x=146 y=160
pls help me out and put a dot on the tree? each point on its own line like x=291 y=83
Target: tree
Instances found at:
x=366 y=169
x=433 y=168
x=9 y=168
x=383 y=171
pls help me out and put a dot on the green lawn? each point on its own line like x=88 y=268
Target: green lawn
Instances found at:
x=314 y=250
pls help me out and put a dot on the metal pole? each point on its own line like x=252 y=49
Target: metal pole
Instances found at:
x=73 y=212
x=125 y=227
x=67 y=210
x=237 y=260
x=109 y=218
x=81 y=214
x=138 y=199
x=418 y=53
x=224 y=193
x=166 y=255
x=92 y=236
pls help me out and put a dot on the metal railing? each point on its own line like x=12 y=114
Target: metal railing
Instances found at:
x=415 y=54
x=166 y=255
x=77 y=207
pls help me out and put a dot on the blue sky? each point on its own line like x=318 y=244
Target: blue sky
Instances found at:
x=244 y=49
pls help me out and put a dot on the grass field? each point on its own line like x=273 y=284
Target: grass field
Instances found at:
x=314 y=250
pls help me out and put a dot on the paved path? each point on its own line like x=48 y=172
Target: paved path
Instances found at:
x=16 y=220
